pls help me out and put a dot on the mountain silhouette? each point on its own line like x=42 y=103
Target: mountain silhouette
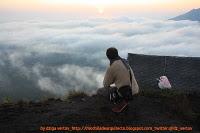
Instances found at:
x=193 y=15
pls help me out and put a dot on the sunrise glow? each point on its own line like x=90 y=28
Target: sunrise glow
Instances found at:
x=99 y=7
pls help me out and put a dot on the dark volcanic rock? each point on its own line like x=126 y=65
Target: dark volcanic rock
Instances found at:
x=149 y=108
x=183 y=72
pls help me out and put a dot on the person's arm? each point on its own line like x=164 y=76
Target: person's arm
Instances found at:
x=108 y=79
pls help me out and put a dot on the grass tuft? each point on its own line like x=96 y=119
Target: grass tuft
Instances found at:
x=73 y=94
x=7 y=100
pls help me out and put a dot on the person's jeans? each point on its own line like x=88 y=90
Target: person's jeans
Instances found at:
x=126 y=93
x=123 y=93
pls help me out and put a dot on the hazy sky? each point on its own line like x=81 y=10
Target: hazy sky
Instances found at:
x=56 y=55
x=102 y=8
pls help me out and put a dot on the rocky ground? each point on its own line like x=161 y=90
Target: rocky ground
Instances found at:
x=148 y=109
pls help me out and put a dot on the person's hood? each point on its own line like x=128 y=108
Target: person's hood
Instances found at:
x=113 y=60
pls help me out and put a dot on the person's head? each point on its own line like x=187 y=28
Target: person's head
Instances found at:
x=112 y=53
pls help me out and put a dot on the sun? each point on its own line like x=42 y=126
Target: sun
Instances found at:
x=100 y=10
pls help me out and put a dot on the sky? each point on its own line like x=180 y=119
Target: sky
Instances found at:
x=39 y=57
x=99 y=8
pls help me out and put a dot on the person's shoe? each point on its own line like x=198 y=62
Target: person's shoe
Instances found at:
x=120 y=106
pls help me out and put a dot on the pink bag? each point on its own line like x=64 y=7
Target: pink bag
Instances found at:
x=164 y=83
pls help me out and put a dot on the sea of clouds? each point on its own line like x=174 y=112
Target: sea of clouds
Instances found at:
x=43 y=58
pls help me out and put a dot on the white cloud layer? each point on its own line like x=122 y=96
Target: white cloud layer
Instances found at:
x=63 y=55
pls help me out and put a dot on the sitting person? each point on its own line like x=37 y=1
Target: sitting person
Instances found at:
x=120 y=73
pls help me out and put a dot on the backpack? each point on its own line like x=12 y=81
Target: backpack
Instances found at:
x=163 y=83
x=126 y=64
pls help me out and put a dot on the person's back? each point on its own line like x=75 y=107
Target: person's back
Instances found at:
x=120 y=73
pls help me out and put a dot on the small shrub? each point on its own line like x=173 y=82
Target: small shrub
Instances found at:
x=7 y=100
x=73 y=94
x=156 y=93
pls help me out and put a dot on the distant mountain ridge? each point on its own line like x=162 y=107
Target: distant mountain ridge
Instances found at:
x=193 y=15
